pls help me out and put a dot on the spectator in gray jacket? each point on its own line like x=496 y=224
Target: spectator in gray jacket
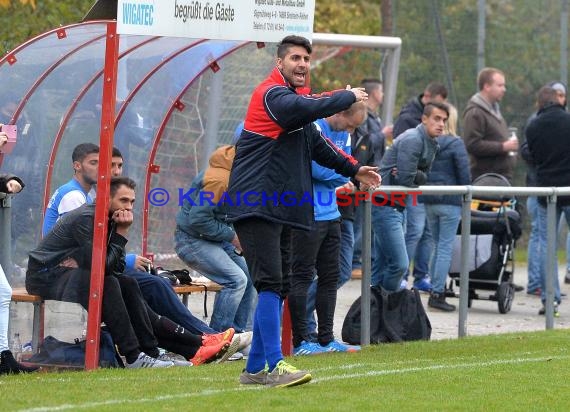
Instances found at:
x=450 y=167
x=405 y=163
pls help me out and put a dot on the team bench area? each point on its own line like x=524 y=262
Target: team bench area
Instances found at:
x=21 y=295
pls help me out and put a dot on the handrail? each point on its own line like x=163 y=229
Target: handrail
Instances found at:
x=468 y=193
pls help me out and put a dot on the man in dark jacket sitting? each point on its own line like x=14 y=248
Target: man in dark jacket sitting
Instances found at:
x=59 y=268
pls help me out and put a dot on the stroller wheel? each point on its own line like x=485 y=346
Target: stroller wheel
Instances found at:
x=505 y=296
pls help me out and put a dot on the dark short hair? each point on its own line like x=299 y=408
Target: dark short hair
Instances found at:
x=370 y=84
x=82 y=150
x=428 y=108
x=116 y=153
x=436 y=89
x=290 y=41
x=546 y=96
x=118 y=181
x=485 y=76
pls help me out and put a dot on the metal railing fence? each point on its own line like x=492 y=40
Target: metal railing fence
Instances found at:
x=468 y=193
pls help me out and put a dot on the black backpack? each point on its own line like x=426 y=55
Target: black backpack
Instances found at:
x=394 y=317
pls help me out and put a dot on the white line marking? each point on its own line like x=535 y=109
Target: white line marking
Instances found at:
x=437 y=367
x=210 y=392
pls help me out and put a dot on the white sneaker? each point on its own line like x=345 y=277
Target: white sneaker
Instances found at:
x=404 y=284
x=177 y=360
x=235 y=357
x=244 y=339
x=145 y=361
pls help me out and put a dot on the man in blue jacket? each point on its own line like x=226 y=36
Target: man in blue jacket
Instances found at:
x=321 y=247
x=406 y=163
x=271 y=176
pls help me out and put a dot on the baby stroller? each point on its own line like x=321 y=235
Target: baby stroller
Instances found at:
x=495 y=228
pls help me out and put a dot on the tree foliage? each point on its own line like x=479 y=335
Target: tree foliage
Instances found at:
x=24 y=19
x=7 y=3
x=346 y=17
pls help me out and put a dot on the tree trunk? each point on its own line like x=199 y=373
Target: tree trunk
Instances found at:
x=386 y=16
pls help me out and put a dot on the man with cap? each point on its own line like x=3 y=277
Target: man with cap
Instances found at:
x=536 y=244
x=548 y=137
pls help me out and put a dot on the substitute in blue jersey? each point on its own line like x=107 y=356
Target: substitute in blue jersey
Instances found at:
x=74 y=193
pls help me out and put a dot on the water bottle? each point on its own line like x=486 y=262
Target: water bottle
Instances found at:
x=513 y=132
x=17 y=347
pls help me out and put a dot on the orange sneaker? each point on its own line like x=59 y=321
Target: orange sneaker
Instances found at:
x=217 y=338
x=207 y=354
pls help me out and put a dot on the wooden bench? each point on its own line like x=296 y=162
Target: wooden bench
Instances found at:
x=198 y=286
x=21 y=295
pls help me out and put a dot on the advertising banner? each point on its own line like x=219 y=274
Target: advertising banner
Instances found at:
x=250 y=20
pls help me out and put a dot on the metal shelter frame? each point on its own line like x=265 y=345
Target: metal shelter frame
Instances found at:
x=106 y=143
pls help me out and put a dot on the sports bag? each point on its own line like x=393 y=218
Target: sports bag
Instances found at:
x=55 y=352
x=394 y=317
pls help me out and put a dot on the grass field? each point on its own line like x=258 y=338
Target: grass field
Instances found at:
x=529 y=371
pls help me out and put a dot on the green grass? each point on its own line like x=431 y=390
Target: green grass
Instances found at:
x=526 y=371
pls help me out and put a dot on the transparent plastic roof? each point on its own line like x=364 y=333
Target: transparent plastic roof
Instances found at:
x=177 y=100
x=174 y=106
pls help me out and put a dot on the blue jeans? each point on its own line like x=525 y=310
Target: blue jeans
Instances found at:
x=543 y=261
x=536 y=246
x=443 y=221
x=345 y=264
x=419 y=242
x=568 y=253
x=357 y=230
x=234 y=304
x=392 y=262
x=161 y=298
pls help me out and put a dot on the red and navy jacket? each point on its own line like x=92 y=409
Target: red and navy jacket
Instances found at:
x=271 y=173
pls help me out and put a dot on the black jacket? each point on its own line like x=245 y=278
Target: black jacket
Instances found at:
x=271 y=173
x=4 y=178
x=368 y=145
x=548 y=138
x=72 y=236
x=410 y=116
x=527 y=157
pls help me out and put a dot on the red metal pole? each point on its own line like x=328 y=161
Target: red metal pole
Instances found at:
x=286 y=331
x=102 y=203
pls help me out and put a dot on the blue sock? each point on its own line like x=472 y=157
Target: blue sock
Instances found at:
x=256 y=357
x=281 y=306
x=267 y=315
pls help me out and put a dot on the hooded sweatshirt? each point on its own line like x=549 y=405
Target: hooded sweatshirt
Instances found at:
x=203 y=214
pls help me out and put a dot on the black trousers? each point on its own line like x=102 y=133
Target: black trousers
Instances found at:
x=315 y=249
x=123 y=308
x=266 y=248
